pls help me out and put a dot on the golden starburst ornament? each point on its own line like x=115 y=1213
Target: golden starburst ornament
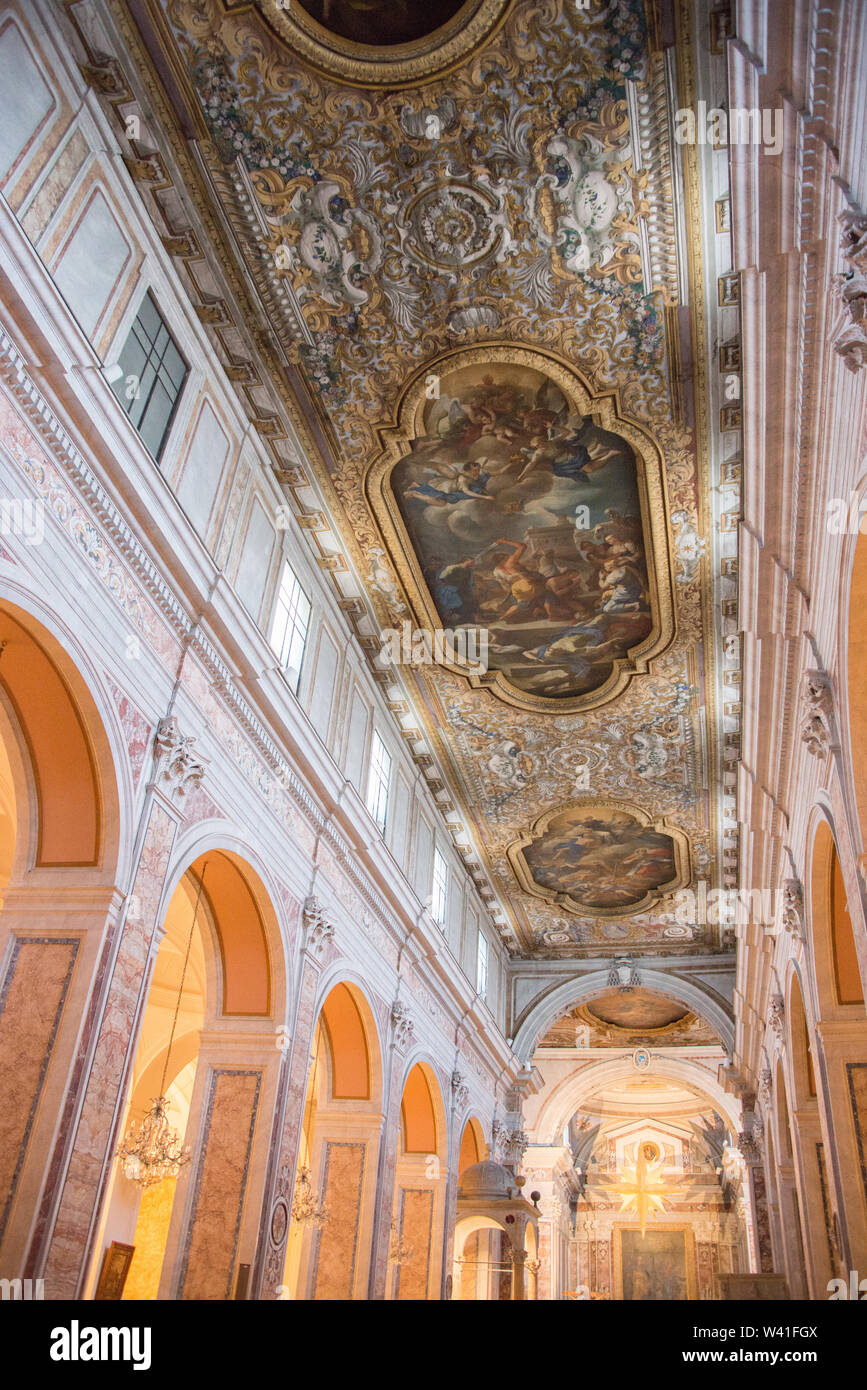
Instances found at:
x=642 y=1188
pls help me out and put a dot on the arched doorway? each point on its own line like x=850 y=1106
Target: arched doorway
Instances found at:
x=415 y=1254
x=627 y=1073
x=815 y=1196
x=60 y=829
x=840 y=1036
x=206 y=1045
x=328 y=1253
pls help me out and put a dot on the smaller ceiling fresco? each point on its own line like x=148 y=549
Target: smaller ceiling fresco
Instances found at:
x=634 y=1019
x=636 y=1008
x=597 y=859
x=526 y=521
x=381 y=22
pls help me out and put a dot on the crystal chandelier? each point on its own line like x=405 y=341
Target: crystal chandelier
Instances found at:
x=307 y=1210
x=153 y=1149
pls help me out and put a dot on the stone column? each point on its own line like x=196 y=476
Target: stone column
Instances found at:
x=790 y=1221
x=402 y=1029
x=217 y=1211
x=519 y=1258
x=815 y=1199
x=270 y=1259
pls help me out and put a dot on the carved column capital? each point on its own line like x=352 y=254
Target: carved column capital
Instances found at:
x=851 y=341
x=317 y=931
x=817 y=714
x=402 y=1026
x=460 y=1089
x=792 y=915
x=777 y=1016
x=175 y=757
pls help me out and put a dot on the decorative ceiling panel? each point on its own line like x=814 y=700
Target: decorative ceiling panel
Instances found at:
x=477 y=274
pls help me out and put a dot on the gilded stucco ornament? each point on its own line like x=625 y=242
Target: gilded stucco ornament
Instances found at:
x=590 y=199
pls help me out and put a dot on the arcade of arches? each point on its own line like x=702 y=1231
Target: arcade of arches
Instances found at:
x=336 y=963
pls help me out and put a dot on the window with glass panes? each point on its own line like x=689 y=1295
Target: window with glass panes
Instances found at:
x=440 y=894
x=153 y=376
x=377 y=785
x=290 y=623
x=482 y=965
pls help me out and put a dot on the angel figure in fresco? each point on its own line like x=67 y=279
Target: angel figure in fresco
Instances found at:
x=564 y=454
x=465 y=484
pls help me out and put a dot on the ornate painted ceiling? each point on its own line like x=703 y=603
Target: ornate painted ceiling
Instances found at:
x=483 y=259
x=638 y=1018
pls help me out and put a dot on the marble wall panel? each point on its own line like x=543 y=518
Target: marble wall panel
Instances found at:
x=415 y=1227
x=336 y=1252
x=32 y=996
x=220 y=1184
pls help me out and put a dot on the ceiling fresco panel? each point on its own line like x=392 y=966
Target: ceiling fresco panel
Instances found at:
x=603 y=859
x=527 y=512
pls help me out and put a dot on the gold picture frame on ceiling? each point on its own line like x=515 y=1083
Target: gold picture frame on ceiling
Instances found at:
x=407 y=426
x=599 y=806
x=402 y=65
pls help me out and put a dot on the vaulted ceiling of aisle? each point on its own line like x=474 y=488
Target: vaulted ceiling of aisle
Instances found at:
x=482 y=255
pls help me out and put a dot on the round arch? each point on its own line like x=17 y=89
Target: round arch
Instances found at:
x=835 y=961
x=574 y=1090
x=559 y=1000
x=247 y=939
x=854 y=668
x=473 y=1148
x=67 y=751
x=800 y=1045
x=422 y=1111
x=339 y=1146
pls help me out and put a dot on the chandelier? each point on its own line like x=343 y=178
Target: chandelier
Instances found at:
x=153 y=1149
x=307 y=1210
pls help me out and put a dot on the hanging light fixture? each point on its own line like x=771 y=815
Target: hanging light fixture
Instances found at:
x=307 y=1210
x=153 y=1149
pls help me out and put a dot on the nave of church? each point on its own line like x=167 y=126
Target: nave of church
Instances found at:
x=433 y=741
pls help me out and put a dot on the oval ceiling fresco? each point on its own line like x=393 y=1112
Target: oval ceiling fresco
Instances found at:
x=381 y=22
x=525 y=514
x=600 y=859
x=384 y=43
